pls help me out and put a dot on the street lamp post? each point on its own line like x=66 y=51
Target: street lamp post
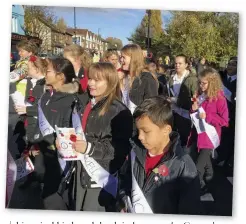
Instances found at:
x=75 y=25
x=148 y=34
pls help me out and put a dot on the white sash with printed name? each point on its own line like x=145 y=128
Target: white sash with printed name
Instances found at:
x=44 y=125
x=47 y=129
x=97 y=173
x=138 y=202
x=126 y=98
x=202 y=126
x=182 y=112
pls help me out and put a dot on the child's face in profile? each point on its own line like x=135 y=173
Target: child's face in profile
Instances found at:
x=23 y=53
x=153 y=138
x=32 y=70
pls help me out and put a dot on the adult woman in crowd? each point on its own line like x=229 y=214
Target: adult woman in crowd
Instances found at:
x=182 y=87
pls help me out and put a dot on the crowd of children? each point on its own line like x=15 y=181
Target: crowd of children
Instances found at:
x=152 y=137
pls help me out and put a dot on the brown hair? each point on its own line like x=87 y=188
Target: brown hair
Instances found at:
x=157 y=109
x=106 y=71
x=108 y=54
x=77 y=51
x=214 y=83
x=40 y=64
x=27 y=45
x=137 y=64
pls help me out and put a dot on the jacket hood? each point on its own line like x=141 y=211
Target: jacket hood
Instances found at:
x=70 y=88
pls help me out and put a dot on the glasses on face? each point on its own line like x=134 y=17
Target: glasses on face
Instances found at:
x=203 y=83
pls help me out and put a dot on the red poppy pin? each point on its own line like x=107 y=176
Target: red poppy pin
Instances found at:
x=32 y=58
x=162 y=170
x=31 y=99
x=73 y=138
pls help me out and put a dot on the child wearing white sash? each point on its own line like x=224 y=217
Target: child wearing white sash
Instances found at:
x=138 y=83
x=210 y=114
x=107 y=126
x=157 y=177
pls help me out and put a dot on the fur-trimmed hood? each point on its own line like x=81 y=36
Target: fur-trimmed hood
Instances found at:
x=70 y=88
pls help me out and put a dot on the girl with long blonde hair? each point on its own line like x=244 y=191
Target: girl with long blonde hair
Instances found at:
x=107 y=125
x=211 y=107
x=139 y=83
x=81 y=61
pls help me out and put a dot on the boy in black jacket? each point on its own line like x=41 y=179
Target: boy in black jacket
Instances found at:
x=158 y=177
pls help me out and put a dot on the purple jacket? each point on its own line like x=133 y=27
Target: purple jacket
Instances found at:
x=216 y=115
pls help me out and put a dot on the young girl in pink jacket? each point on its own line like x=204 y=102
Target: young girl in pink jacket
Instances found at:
x=210 y=110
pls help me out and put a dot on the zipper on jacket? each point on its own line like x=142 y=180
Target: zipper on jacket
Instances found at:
x=51 y=94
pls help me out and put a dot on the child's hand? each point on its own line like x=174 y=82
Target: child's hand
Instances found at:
x=20 y=109
x=194 y=106
x=202 y=115
x=57 y=144
x=34 y=152
x=195 y=102
x=80 y=146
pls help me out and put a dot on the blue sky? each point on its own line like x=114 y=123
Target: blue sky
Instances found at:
x=119 y=23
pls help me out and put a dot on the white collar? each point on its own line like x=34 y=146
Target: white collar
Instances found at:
x=176 y=77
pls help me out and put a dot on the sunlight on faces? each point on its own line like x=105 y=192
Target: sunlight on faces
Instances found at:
x=23 y=53
x=52 y=77
x=125 y=61
x=203 y=83
x=32 y=70
x=180 y=65
x=114 y=60
x=152 y=136
x=97 y=84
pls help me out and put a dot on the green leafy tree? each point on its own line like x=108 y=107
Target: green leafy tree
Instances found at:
x=159 y=45
x=208 y=34
x=114 y=43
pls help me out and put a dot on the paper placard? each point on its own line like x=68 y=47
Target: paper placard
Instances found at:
x=18 y=98
x=66 y=151
x=198 y=123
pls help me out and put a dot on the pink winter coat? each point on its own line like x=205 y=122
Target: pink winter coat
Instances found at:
x=216 y=115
